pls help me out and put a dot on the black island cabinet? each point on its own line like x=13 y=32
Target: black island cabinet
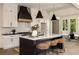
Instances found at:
x=28 y=47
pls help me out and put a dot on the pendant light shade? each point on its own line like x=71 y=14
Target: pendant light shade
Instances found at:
x=39 y=14
x=54 y=17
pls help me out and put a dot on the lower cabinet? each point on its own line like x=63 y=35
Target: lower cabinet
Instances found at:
x=27 y=47
x=10 y=41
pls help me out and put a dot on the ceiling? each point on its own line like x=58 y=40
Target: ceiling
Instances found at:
x=47 y=6
x=59 y=8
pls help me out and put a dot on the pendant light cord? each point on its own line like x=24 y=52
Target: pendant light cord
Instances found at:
x=53 y=8
x=39 y=4
x=39 y=14
x=54 y=17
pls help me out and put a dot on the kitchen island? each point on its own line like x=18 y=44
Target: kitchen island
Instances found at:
x=28 y=44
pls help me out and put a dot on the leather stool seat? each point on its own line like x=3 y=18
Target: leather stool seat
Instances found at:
x=44 y=45
x=61 y=40
x=54 y=42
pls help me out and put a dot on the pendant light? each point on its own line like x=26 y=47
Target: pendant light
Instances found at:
x=53 y=17
x=39 y=14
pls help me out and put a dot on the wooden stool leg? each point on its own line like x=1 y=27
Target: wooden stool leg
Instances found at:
x=42 y=52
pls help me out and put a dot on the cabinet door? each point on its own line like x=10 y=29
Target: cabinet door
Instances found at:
x=6 y=17
x=9 y=15
x=15 y=41
x=7 y=42
x=13 y=17
x=10 y=41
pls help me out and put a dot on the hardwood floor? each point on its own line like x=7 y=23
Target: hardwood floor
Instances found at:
x=11 y=51
x=72 y=48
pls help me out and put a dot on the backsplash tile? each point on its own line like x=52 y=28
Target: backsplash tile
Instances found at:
x=22 y=27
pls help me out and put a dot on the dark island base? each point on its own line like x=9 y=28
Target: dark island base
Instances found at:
x=28 y=47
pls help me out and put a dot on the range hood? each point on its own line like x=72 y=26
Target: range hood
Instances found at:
x=23 y=14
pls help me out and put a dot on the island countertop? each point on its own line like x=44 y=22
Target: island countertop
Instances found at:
x=42 y=37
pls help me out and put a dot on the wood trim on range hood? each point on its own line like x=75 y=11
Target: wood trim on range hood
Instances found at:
x=25 y=20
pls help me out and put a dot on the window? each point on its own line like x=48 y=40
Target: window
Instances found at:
x=72 y=25
x=65 y=25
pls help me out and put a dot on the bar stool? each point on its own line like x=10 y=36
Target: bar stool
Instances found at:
x=43 y=47
x=54 y=46
x=61 y=42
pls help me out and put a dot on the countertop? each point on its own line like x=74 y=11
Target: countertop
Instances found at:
x=42 y=37
x=18 y=33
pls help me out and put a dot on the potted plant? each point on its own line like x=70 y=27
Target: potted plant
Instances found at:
x=72 y=28
x=72 y=34
x=34 y=29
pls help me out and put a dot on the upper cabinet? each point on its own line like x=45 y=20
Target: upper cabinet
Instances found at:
x=24 y=14
x=9 y=15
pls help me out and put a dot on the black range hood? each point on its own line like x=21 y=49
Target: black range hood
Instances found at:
x=54 y=17
x=23 y=13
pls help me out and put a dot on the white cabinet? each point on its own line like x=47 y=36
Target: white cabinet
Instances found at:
x=10 y=41
x=9 y=15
